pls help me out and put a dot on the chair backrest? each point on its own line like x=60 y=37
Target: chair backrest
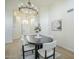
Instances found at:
x=50 y=45
x=24 y=39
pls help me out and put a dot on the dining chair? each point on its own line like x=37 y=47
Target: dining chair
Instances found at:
x=48 y=50
x=26 y=47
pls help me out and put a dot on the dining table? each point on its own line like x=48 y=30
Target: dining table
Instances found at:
x=38 y=42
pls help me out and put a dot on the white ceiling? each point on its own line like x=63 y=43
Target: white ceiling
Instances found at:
x=43 y=2
x=38 y=3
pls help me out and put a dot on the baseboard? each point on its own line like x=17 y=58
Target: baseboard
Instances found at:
x=69 y=50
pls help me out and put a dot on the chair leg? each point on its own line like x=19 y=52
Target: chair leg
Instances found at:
x=46 y=54
x=54 y=57
x=54 y=54
x=23 y=52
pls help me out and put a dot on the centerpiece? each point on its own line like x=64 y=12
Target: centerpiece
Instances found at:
x=37 y=30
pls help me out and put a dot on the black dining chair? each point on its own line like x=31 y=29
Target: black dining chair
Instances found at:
x=26 y=47
x=48 y=50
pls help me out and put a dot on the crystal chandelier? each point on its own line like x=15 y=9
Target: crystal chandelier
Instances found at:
x=28 y=10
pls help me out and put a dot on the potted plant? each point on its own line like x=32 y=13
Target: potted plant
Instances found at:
x=37 y=29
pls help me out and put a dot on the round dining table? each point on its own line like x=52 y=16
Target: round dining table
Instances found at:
x=38 y=42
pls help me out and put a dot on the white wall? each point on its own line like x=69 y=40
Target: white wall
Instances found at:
x=9 y=6
x=57 y=11
x=8 y=23
x=44 y=20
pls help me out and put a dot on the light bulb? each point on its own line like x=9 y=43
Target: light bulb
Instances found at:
x=22 y=4
x=26 y=11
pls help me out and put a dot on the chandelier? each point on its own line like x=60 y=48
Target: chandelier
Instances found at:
x=28 y=10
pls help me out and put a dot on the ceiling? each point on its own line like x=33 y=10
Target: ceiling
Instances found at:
x=38 y=3
x=35 y=2
x=42 y=3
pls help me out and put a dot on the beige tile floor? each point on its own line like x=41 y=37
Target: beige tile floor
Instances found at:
x=13 y=51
